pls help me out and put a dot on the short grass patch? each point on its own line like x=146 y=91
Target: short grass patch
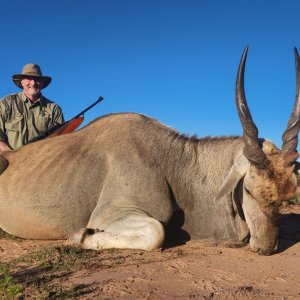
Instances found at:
x=44 y=274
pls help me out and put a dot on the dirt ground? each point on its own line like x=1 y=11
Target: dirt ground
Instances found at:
x=180 y=272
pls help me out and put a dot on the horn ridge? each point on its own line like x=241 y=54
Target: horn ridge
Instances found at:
x=290 y=136
x=252 y=148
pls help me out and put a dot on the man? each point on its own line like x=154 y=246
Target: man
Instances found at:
x=27 y=114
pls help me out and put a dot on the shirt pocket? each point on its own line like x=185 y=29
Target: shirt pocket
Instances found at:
x=15 y=125
x=15 y=131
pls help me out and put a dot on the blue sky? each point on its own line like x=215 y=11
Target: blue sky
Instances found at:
x=174 y=60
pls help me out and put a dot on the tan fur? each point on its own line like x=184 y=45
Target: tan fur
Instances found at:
x=264 y=192
x=126 y=179
x=275 y=184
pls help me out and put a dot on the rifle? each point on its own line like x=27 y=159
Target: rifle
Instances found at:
x=65 y=127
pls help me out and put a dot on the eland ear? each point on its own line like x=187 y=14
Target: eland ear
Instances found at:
x=3 y=164
x=236 y=173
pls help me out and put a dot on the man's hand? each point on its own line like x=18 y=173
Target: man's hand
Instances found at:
x=4 y=146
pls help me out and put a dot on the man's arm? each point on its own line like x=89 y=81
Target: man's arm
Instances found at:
x=58 y=116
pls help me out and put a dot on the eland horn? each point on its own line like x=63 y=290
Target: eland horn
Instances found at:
x=290 y=136
x=252 y=148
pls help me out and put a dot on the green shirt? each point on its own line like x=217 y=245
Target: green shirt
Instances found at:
x=20 y=120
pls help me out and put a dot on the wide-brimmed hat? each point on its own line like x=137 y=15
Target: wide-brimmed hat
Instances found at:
x=33 y=70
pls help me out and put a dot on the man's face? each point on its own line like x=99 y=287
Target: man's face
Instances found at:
x=32 y=86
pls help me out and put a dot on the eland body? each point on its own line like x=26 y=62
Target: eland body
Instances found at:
x=124 y=179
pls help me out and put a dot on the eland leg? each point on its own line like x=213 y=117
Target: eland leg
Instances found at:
x=126 y=231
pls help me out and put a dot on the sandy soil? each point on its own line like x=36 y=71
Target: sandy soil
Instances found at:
x=186 y=271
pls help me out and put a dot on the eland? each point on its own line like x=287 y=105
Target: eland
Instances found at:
x=127 y=181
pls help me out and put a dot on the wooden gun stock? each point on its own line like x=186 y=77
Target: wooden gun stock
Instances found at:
x=67 y=127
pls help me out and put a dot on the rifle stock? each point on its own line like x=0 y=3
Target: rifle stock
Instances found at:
x=67 y=126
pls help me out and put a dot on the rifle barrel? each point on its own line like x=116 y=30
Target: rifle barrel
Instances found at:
x=85 y=110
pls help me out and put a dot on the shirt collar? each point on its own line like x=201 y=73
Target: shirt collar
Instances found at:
x=25 y=99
